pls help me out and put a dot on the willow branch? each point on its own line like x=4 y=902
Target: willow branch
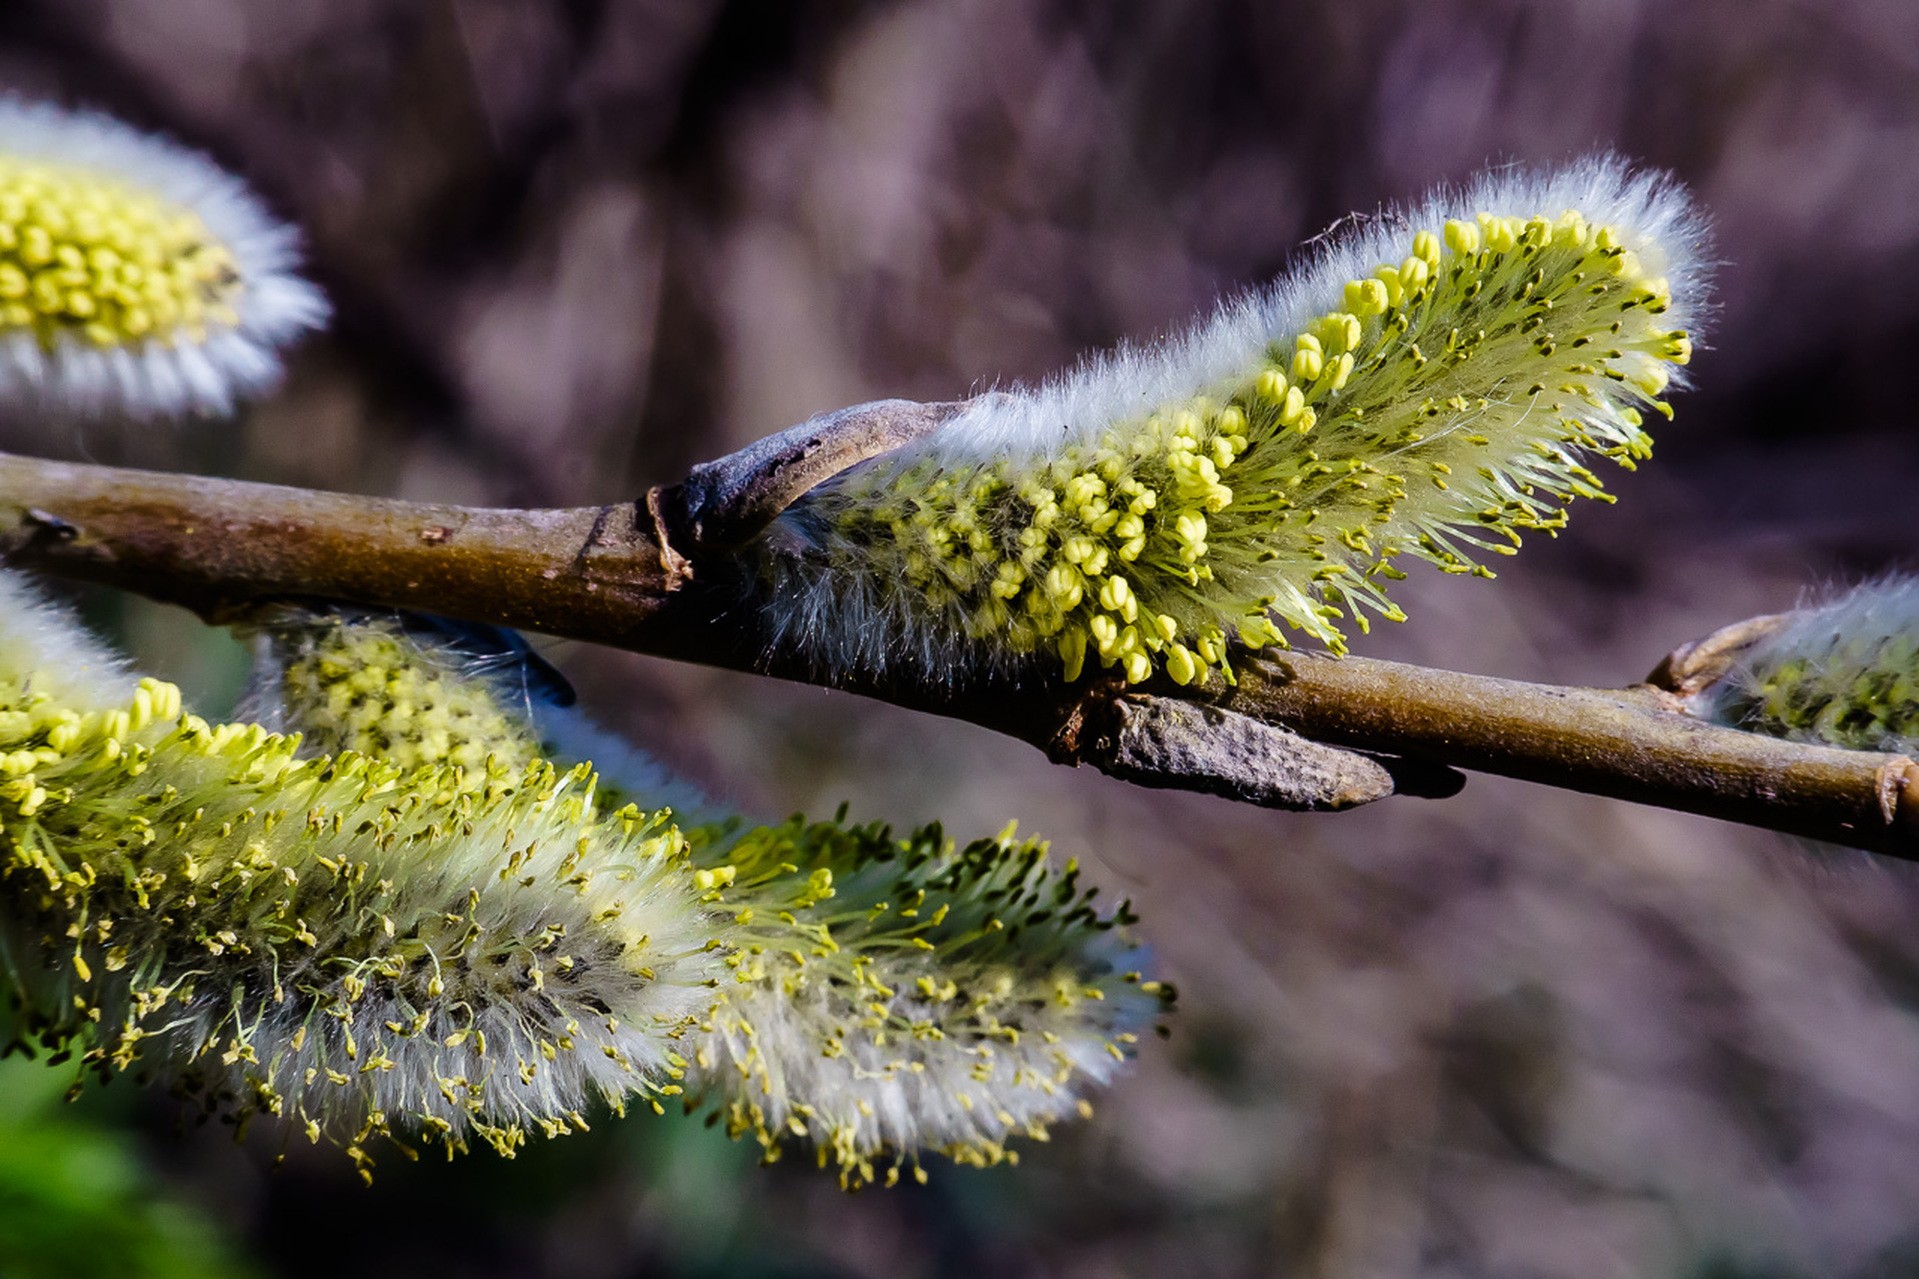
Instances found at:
x=1635 y=743
x=661 y=576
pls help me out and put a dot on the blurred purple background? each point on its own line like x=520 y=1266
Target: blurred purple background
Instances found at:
x=577 y=246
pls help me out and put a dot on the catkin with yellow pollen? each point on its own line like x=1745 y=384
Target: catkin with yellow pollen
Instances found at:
x=440 y=953
x=1431 y=388
x=893 y=994
x=877 y=995
x=135 y=276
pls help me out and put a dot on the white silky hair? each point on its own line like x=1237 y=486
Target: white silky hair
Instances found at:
x=953 y=1093
x=44 y=645
x=623 y=1025
x=1132 y=380
x=159 y=378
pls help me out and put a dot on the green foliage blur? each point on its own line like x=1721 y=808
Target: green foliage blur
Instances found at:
x=78 y=1198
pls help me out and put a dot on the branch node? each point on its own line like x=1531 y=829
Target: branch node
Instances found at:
x=678 y=569
x=1897 y=785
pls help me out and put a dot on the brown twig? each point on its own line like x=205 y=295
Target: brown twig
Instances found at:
x=662 y=576
x=1635 y=743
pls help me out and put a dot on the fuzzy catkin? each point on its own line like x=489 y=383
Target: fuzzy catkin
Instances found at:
x=897 y=993
x=451 y=951
x=880 y=995
x=1844 y=673
x=1430 y=387
x=136 y=276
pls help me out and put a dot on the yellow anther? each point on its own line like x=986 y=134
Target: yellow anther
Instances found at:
x=1008 y=580
x=102 y=259
x=1307 y=360
x=1425 y=248
x=1462 y=237
x=1104 y=633
x=1180 y=665
x=1293 y=408
x=1270 y=385
x=1340 y=331
x=1365 y=297
x=1341 y=369
x=1388 y=277
x=1256 y=633
x=1065 y=586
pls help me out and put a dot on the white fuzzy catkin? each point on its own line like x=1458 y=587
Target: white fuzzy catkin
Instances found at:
x=70 y=666
x=137 y=277
x=899 y=993
x=881 y=994
x=1429 y=385
x=1842 y=673
x=447 y=949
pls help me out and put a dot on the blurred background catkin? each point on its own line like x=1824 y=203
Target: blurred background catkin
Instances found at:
x=576 y=247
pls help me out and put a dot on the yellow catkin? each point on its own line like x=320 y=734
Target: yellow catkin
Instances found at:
x=1439 y=411
x=87 y=254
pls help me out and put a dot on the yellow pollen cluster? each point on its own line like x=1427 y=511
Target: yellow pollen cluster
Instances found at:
x=1440 y=410
x=364 y=688
x=88 y=256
